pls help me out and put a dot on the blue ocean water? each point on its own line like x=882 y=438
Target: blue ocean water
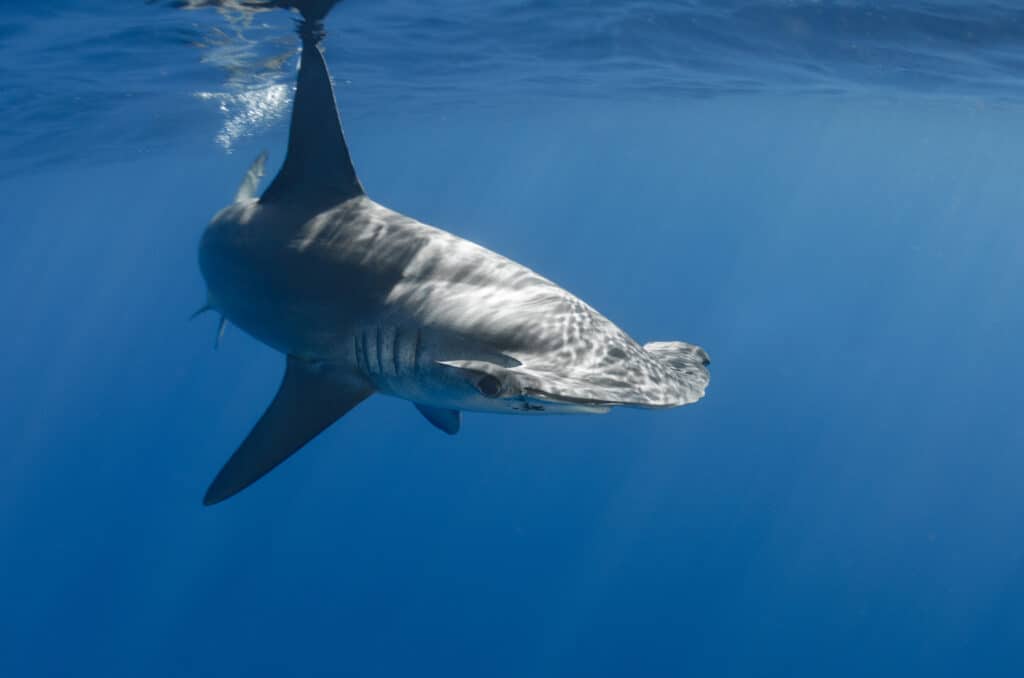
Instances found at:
x=825 y=195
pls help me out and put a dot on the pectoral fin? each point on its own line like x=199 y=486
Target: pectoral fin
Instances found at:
x=448 y=421
x=305 y=404
x=251 y=181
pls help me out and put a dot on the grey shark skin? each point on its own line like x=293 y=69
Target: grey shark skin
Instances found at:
x=363 y=300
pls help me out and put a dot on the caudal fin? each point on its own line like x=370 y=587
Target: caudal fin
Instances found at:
x=687 y=362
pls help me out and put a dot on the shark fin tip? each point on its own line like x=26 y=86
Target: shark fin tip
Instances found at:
x=220 y=332
x=203 y=309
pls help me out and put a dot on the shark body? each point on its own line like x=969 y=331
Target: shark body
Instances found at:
x=363 y=300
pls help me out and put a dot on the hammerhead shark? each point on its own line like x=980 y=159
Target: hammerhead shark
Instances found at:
x=361 y=300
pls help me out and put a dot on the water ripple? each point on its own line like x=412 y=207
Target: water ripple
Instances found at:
x=73 y=69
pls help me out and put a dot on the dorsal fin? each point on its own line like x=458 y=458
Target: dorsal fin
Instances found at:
x=318 y=167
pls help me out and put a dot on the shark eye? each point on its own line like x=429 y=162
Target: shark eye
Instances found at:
x=489 y=386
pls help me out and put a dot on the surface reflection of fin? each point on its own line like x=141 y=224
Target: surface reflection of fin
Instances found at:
x=448 y=421
x=305 y=404
x=311 y=10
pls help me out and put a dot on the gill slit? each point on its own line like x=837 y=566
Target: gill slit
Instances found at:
x=380 y=361
x=366 y=352
x=394 y=350
x=416 y=353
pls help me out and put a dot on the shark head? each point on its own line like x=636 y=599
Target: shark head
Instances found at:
x=485 y=386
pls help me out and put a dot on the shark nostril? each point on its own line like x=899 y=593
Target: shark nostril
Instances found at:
x=489 y=386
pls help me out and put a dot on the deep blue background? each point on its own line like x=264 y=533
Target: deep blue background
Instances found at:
x=846 y=500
